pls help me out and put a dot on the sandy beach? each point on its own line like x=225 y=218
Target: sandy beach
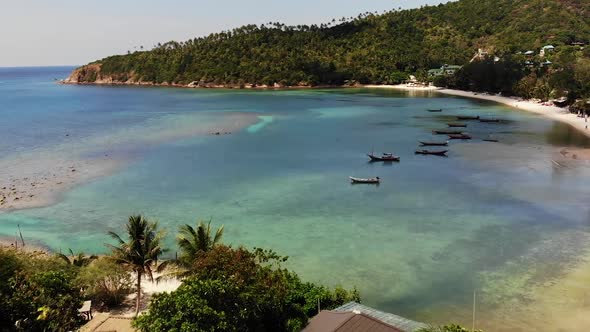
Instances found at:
x=552 y=112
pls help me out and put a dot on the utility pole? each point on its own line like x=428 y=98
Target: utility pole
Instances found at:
x=473 y=325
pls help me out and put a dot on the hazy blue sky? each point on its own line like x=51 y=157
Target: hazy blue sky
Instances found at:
x=72 y=32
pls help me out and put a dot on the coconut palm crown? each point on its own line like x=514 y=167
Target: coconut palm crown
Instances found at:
x=193 y=242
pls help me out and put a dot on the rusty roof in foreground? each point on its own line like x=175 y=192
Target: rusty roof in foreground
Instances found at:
x=332 y=321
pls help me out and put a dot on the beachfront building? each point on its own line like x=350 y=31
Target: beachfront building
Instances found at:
x=546 y=49
x=357 y=317
x=444 y=70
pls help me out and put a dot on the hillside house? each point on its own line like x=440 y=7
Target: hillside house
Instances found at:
x=444 y=70
x=546 y=50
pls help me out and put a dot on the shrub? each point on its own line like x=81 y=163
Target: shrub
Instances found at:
x=240 y=290
x=105 y=282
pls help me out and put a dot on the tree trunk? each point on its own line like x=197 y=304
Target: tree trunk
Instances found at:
x=138 y=299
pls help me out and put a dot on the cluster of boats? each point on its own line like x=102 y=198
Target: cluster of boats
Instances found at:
x=452 y=134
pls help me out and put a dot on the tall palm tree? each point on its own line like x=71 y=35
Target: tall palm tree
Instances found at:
x=141 y=251
x=192 y=242
x=78 y=260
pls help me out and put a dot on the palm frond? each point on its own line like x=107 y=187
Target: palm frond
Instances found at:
x=63 y=257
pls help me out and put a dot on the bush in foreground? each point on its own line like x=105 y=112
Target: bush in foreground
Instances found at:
x=240 y=290
x=105 y=282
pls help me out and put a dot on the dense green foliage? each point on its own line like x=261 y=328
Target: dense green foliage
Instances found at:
x=447 y=328
x=370 y=48
x=37 y=293
x=239 y=290
x=567 y=76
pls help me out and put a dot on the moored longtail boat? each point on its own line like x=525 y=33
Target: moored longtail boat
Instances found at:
x=456 y=125
x=426 y=143
x=374 y=180
x=447 y=132
x=459 y=136
x=435 y=110
x=490 y=120
x=468 y=117
x=384 y=157
x=436 y=153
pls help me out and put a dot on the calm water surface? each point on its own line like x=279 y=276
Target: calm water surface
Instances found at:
x=417 y=245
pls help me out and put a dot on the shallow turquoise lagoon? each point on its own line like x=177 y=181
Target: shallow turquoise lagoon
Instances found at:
x=418 y=244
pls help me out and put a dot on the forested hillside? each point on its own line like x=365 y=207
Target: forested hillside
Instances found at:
x=371 y=48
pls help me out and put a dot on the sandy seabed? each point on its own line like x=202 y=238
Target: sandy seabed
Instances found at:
x=40 y=177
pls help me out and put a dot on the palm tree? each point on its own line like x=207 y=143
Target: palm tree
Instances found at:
x=194 y=242
x=141 y=251
x=78 y=260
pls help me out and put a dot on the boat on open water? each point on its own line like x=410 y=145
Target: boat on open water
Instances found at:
x=384 y=157
x=374 y=180
x=435 y=110
x=447 y=132
x=430 y=143
x=459 y=136
x=468 y=117
x=456 y=125
x=490 y=120
x=432 y=152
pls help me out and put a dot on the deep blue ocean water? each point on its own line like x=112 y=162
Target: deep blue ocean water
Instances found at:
x=418 y=244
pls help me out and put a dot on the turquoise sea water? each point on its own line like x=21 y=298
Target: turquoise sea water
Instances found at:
x=417 y=245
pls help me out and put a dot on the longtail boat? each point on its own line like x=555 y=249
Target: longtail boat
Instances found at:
x=489 y=120
x=447 y=132
x=374 y=180
x=468 y=117
x=384 y=157
x=436 y=153
x=456 y=125
x=435 y=110
x=459 y=136
x=425 y=143
x=490 y=140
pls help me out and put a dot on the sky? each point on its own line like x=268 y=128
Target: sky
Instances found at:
x=75 y=32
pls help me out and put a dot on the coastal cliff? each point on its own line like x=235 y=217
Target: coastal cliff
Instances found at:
x=91 y=74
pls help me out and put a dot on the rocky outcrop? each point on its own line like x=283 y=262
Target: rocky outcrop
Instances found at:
x=84 y=74
x=92 y=74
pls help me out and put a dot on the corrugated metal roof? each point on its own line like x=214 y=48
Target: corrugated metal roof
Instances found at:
x=399 y=322
x=333 y=321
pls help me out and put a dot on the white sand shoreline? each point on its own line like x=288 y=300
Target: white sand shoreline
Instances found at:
x=551 y=112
